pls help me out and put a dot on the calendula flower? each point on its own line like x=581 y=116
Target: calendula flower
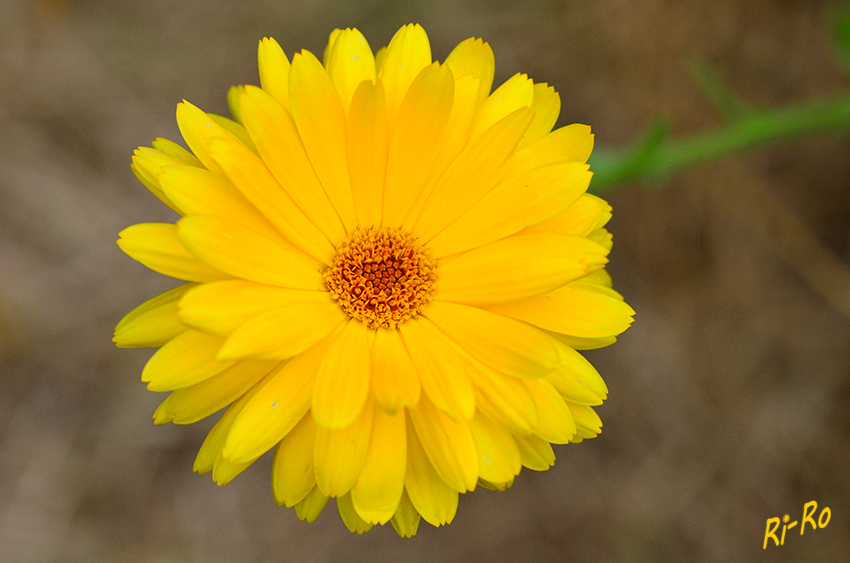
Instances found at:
x=390 y=270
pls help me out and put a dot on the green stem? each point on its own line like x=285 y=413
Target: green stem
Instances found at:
x=641 y=163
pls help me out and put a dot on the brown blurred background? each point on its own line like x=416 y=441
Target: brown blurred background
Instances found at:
x=729 y=396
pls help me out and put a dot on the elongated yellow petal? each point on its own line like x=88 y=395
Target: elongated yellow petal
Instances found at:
x=154 y=322
x=321 y=122
x=284 y=332
x=406 y=519
x=498 y=455
x=395 y=381
x=474 y=173
x=342 y=383
x=378 y=490
x=572 y=143
x=587 y=213
x=277 y=405
x=249 y=174
x=242 y=253
x=350 y=62
x=312 y=506
x=274 y=133
x=237 y=129
x=293 y=475
x=573 y=310
x=174 y=150
x=191 y=404
x=148 y=164
x=578 y=369
x=415 y=144
x=274 y=70
x=407 y=54
x=516 y=93
x=506 y=345
x=448 y=445
x=473 y=57
x=503 y=398
x=233 y=95
x=546 y=105
x=340 y=453
x=554 y=422
x=536 y=453
x=441 y=371
x=429 y=494
x=350 y=517
x=518 y=268
x=156 y=246
x=222 y=307
x=368 y=143
x=187 y=359
x=199 y=130
x=514 y=205
x=588 y=423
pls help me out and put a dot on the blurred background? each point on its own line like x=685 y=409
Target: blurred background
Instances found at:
x=729 y=397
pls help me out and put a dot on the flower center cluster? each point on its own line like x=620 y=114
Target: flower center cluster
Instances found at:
x=381 y=277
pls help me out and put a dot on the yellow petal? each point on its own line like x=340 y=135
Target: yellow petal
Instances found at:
x=577 y=369
x=243 y=253
x=588 y=423
x=406 y=518
x=326 y=54
x=506 y=345
x=187 y=359
x=274 y=70
x=222 y=307
x=554 y=422
x=378 y=490
x=429 y=494
x=200 y=192
x=448 y=445
x=321 y=122
x=518 y=268
x=498 y=455
x=441 y=370
x=342 y=383
x=191 y=404
x=587 y=213
x=516 y=93
x=572 y=310
x=340 y=453
x=233 y=95
x=148 y=164
x=546 y=106
x=249 y=174
x=277 y=405
x=154 y=322
x=503 y=398
x=536 y=453
x=350 y=517
x=237 y=129
x=514 y=205
x=293 y=475
x=350 y=62
x=474 y=173
x=601 y=237
x=473 y=57
x=279 y=144
x=199 y=130
x=367 y=151
x=395 y=381
x=572 y=143
x=156 y=246
x=174 y=150
x=407 y=54
x=211 y=448
x=312 y=505
x=284 y=332
x=422 y=119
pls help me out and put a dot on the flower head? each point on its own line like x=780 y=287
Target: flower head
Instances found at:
x=389 y=269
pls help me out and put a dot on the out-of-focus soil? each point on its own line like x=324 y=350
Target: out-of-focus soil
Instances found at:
x=729 y=397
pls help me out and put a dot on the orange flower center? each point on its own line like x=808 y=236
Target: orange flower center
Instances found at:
x=381 y=277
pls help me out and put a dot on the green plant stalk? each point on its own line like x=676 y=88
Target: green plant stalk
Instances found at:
x=642 y=163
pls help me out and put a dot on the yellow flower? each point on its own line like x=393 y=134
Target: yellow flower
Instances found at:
x=390 y=270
